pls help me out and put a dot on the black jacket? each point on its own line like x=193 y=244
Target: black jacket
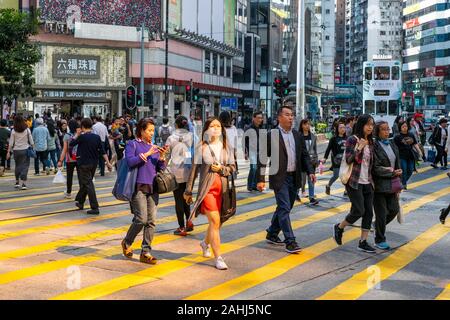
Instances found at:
x=437 y=135
x=381 y=177
x=277 y=173
x=337 y=147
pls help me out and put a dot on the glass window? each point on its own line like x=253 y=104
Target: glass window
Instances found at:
x=393 y=108
x=369 y=106
x=395 y=73
x=215 y=63
x=368 y=73
x=382 y=73
x=228 y=68
x=207 y=62
x=381 y=107
x=222 y=66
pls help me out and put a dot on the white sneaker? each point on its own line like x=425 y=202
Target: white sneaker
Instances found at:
x=220 y=264
x=67 y=195
x=205 y=249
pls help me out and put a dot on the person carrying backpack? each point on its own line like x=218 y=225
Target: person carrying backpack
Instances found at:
x=70 y=155
x=165 y=131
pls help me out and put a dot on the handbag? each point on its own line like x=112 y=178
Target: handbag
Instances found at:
x=396 y=185
x=165 y=181
x=416 y=154
x=228 y=201
x=345 y=171
x=31 y=153
x=125 y=185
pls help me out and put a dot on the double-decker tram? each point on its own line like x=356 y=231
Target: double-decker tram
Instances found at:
x=382 y=88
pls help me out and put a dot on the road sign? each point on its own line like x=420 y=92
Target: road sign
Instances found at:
x=229 y=104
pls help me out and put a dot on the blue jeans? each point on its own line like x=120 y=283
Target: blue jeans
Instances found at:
x=251 y=180
x=334 y=177
x=281 y=220
x=305 y=178
x=53 y=155
x=407 y=168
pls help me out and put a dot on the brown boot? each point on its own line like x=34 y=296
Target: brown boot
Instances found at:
x=127 y=251
x=147 y=258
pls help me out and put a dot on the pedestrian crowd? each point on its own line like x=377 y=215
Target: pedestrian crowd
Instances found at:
x=372 y=160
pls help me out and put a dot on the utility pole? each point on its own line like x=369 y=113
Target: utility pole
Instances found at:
x=300 y=99
x=142 y=67
x=166 y=98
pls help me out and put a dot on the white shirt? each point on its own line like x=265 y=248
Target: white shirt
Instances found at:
x=289 y=142
x=101 y=130
x=364 y=175
x=232 y=136
x=443 y=136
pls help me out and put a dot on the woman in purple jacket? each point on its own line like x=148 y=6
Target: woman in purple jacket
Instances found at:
x=149 y=159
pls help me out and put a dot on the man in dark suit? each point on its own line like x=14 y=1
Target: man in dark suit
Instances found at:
x=288 y=159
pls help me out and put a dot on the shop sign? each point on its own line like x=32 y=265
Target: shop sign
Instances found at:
x=76 y=66
x=61 y=94
x=435 y=107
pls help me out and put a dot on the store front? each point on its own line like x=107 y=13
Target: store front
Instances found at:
x=80 y=81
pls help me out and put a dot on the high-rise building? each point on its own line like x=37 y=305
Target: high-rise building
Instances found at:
x=426 y=57
x=339 y=58
x=373 y=27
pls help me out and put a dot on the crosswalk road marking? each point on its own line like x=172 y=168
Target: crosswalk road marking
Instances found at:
x=279 y=267
x=151 y=274
x=445 y=294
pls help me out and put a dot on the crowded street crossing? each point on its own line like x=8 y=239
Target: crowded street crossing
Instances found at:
x=49 y=250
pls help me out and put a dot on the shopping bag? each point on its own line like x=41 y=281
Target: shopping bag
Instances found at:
x=59 y=178
x=431 y=157
x=126 y=182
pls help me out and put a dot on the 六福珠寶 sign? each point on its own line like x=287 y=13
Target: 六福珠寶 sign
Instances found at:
x=76 y=66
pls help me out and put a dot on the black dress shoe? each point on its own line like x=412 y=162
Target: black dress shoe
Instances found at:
x=79 y=205
x=444 y=214
x=93 y=212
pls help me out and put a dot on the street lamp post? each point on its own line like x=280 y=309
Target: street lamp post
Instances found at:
x=300 y=98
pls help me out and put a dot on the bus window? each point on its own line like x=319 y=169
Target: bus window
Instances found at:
x=393 y=108
x=368 y=73
x=381 y=108
x=382 y=73
x=395 y=73
x=369 y=107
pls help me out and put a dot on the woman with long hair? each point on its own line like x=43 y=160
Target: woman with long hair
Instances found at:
x=69 y=155
x=395 y=127
x=337 y=147
x=232 y=135
x=311 y=145
x=149 y=159
x=214 y=161
x=359 y=156
x=386 y=176
x=21 y=139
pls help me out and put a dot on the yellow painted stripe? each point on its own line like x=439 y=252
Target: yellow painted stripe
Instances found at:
x=163 y=269
x=358 y=284
x=100 y=234
x=445 y=294
x=154 y=273
x=280 y=267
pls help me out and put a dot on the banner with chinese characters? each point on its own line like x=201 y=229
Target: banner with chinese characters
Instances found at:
x=76 y=66
x=81 y=68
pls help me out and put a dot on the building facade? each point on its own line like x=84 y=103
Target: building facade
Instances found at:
x=373 y=27
x=426 y=57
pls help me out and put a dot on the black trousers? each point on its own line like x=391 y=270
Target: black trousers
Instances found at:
x=70 y=167
x=386 y=206
x=441 y=155
x=3 y=153
x=362 y=205
x=181 y=207
x=85 y=175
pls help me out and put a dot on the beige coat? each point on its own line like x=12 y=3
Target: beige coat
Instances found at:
x=202 y=166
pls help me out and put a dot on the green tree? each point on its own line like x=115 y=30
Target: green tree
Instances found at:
x=18 y=55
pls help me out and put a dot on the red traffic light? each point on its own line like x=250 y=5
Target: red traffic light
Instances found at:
x=277 y=80
x=130 y=92
x=188 y=88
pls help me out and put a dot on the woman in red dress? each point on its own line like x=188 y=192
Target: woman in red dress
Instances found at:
x=214 y=161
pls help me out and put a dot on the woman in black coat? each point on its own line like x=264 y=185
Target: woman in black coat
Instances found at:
x=337 y=147
x=386 y=175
